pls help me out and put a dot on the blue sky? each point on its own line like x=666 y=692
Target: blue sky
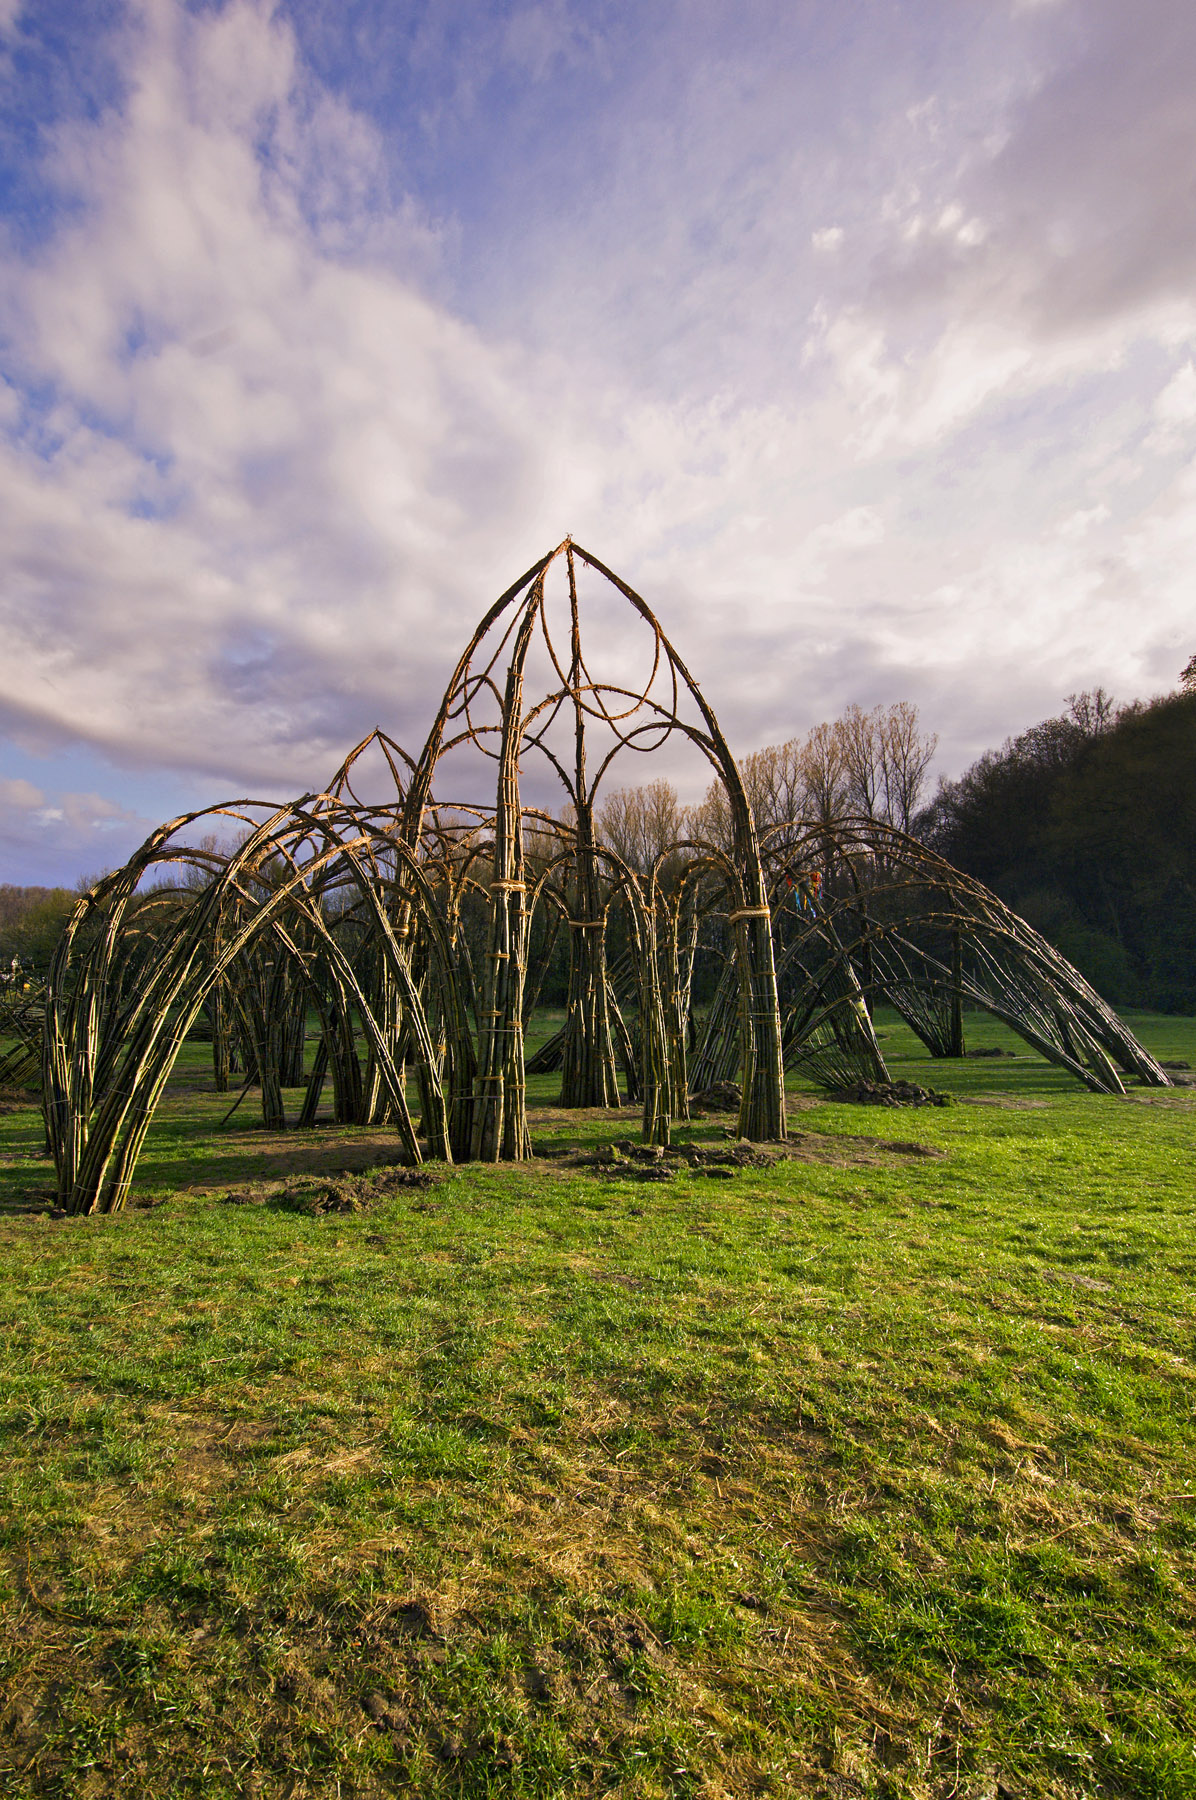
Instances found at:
x=859 y=338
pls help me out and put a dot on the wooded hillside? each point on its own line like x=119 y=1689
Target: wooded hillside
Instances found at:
x=31 y=919
x=1086 y=825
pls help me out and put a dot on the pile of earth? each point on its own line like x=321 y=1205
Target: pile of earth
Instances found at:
x=652 y=1162
x=628 y=1160
x=349 y=1193
x=890 y=1093
x=723 y=1096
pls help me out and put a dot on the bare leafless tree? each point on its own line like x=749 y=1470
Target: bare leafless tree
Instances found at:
x=861 y=743
x=906 y=754
x=1093 y=711
x=825 y=778
x=873 y=764
x=640 y=823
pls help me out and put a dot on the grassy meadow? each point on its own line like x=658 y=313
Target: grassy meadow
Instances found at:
x=868 y=1472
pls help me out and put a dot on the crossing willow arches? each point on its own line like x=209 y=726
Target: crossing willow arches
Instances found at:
x=413 y=907
x=863 y=913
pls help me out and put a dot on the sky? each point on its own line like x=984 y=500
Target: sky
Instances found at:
x=859 y=338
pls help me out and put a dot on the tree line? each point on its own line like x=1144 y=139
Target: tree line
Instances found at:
x=1086 y=825
x=31 y=922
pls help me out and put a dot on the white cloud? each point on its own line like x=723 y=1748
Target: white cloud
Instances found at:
x=18 y=793
x=828 y=239
x=85 y=813
x=1082 y=522
x=1174 y=412
x=1176 y=405
x=242 y=513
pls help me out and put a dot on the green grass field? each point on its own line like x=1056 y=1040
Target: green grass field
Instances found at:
x=871 y=1472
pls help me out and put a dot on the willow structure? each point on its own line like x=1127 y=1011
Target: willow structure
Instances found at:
x=415 y=927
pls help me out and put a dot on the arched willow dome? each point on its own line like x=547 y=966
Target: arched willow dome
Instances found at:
x=413 y=907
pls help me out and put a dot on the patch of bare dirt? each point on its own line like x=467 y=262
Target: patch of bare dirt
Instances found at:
x=346 y=1193
x=629 y=1160
x=15 y=1099
x=890 y=1093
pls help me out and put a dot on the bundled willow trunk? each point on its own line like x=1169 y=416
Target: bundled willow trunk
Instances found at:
x=660 y=1102
x=588 y=1071
x=455 y=1054
x=499 y=1127
x=588 y=1075
x=762 y=1110
x=222 y=1044
x=676 y=956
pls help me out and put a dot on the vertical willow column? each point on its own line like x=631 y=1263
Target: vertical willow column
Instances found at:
x=955 y=1028
x=656 y=1067
x=762 y=1109
x=499 y=1130
x=589 y=1074
x=675 y=986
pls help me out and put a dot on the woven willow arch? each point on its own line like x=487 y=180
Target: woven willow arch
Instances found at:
x=354 y=907
x=898 y=923
x=492 y=670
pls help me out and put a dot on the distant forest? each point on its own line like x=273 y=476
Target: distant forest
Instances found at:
x=1086 y=825
x=31 y=921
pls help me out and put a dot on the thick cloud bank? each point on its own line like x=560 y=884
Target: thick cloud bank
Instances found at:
x=867 y=355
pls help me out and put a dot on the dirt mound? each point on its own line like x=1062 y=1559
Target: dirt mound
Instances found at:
x=353 y=1193
x=631 y=1161
x=651 y=1162
x=891 y=1093
x=724 y=1096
